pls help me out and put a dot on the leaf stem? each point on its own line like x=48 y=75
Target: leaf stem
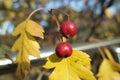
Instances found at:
x=101 y=52
x=36 y=11
x=108 y=53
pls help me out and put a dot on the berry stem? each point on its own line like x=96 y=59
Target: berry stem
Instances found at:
x=36 y=11
x=62 y=39
x=55 y=18
x=59 y=10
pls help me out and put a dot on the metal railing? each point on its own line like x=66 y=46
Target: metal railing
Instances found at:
x=48 y=51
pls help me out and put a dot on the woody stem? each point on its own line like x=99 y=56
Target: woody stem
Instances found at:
x=36 y=11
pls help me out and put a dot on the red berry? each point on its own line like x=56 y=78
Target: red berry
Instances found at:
x=68 y=29
x=63 y=50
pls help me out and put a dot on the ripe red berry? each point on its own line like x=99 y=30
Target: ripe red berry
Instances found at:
x=68 y=29
x=63 y=50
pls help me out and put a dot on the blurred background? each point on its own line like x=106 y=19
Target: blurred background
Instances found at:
x=97 y=20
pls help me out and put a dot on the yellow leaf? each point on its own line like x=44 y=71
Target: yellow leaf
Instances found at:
x=115 y=65
x=17 y=44
x=34 y=29
x=109 y=69
x=26 y=44
x=30 y=27
x=70 y=68
x=19 y=29
x=31 y=45
x=23 y=64
x=21 y=69
x=83 y=58
x=107 y=72
x=52 y=61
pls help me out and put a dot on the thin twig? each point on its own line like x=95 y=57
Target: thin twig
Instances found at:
x=55 y=18
x=36 y=11
x=7 y=56
x=101 y=52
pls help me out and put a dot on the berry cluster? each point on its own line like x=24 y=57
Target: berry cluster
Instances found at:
x=68 y=29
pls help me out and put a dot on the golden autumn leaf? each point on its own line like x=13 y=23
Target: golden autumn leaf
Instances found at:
x=106 y=71
x=31 y=27
x=19 y=29
x=26 y=44
x=109 y=69
x=29 y=43
x=34 y=29
x=74 y=67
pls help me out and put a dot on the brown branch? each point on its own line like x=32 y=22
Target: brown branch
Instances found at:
x=55 y=18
